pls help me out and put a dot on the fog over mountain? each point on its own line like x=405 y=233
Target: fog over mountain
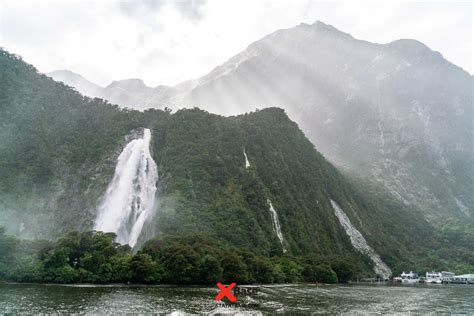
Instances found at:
x=398 y=115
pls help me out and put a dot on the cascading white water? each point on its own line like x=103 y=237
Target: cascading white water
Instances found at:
x=247 y=163
x=129 y=201
x=276 y=224
x=359 y=242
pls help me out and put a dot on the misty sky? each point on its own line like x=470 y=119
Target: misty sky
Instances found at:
x=166 y=42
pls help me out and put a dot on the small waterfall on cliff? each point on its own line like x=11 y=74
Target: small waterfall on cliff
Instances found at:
x=359 y=242
x=276 y=224
x=247 y=163
x=129 y=201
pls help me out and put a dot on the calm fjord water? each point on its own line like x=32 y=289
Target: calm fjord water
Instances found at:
x=29 y=298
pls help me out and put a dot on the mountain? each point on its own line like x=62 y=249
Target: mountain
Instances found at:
x=77 y=81
x=396 y=115
x=59 y=151
x=132 y=93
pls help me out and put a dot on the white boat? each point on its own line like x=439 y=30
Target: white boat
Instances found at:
x=464 y=279
x=439 y=277
x=434 y=278
x=410 y=278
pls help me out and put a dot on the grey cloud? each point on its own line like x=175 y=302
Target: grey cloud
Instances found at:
x=191 y=9
x=132 y=7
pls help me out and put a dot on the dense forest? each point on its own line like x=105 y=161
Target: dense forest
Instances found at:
x=206 y=187
x=94 y=257
x=57 y=154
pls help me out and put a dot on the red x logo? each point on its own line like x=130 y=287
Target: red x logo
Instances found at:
x=225 y=291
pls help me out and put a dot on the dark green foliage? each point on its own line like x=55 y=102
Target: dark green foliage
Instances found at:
x=235 y=270
x=288 y=270
x=205 y=187
x=344 y=269
x=144 y=269
x=319 y=273
x=93 y=257
x=54 y=144
x=190 y=259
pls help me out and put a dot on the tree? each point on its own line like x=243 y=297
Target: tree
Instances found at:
x=120 y=266
x=291 y=269
x=320 y=273
x=181 y=264
x=144 y=270
x=235 y=269
x=260 y=268
x=210 y=270
x=345 y=270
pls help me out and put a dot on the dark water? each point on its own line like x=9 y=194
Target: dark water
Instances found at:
x=26 y=298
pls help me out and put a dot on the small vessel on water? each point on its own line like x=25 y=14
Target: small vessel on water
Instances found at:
x=410 y=278
x=463 y=279
x=434 y=278
x=439 y=277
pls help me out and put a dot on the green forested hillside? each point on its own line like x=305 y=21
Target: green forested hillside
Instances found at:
x=58 y=152
x=54 y=144
x=204 y=186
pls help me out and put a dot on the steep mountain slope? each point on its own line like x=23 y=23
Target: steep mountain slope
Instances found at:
x=77 y=81
x=398 y=115
x=57 y=151
x=388 y=111
x=58 y=155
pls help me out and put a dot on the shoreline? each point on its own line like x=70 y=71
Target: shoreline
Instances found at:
x=276 y=285
x=166 y=285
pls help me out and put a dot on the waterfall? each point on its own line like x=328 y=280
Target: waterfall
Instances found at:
x=276 y=224
x=359 y=242
x=129 y=200
x=247 y=163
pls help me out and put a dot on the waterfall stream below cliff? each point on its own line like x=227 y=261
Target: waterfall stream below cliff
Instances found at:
x=129 y=201
x=276 y=224
x=359 y=242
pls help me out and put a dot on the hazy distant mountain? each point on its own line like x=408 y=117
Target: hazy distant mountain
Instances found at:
x=132 y=93
x=77 y=81
x=398 y=114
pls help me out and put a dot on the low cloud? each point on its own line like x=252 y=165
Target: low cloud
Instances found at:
x=169 y=41
x=190 y=9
